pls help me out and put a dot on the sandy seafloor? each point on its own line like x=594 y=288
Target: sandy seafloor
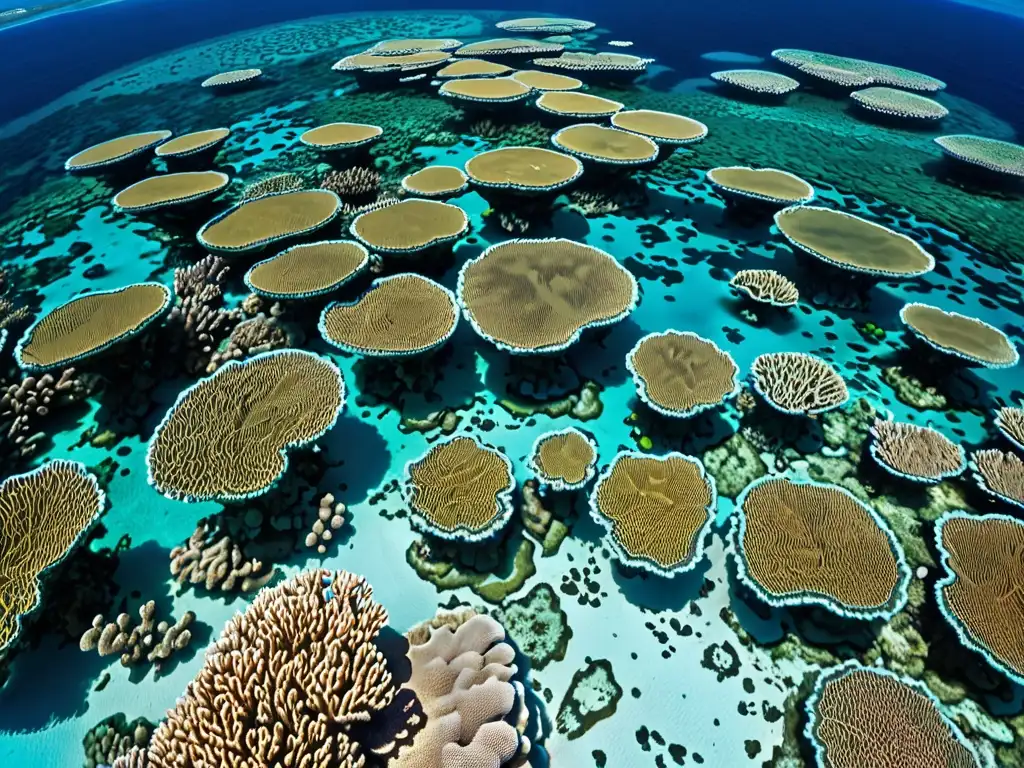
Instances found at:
x=693 y=692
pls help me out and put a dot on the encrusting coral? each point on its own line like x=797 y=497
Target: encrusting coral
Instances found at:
x=147 y=640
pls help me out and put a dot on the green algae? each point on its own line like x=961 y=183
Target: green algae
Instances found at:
x=446 y=575
x=593 y=696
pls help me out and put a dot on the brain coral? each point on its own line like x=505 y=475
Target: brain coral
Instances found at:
x=805 y=543
x=253 y=224
x=307 y=270
x=996 y=156
x=756 y=81
x=980 y=594
x=485 y=89
x=657 y=510
x=341 y=136
x=90 y=324
x=766 y=286
x=436 y=181
x=571 y=104
x=1000 y=475
x=565 y=460
x=663 y=127
x=967 y=338
x=115 y=150
x=860 y=716
x=851 y=243
x=403 y=314
x=460 y=489
x=606 y=145
x=192 y=143
x=682 y=374
x=1010 y=422
x=896 y=103
x=43 y=515
x=916 y=453
x=795 y=383
x=294 y=680
x=410 y=226
x=169 y=189
x=766 y=185
x=523 y=169
x=227 y=436
x=535 y=296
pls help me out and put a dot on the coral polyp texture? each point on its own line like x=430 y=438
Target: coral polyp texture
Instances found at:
x=979 y=592
x=272 y=185
x=509 y=46
x=235 y=77
x=192 y=143
x=805 y=543
x=377 y=62
x=896 y=103
x=257 y=223
x=869 y=716
x=1000 y=474
x=547 y=81
x=549 y=26
x=756 y=81
x=565 y=460
x=851 y=243
x=523 y=169
x=403 y=314
x=410 y=226
x=849 y=72
x=798 y=384
x=765 y=185
x=228 y=435
x=581 y=105
x=1010 y=422
x=460 y=489
x=473 y=68
x=921 y=454
x=90 y=324
x=966 y=338
x=598 y=63
x=603 y=145
x=308 y=270
x=657 y=510
x=341 y=136
x=405 y=45
x=681 y=374
x=436 y=181
x=115 y=150
x=309 y=646
x=496 y=90
x=999 y=157
x=663 y=127
x=43 y=515
x=537 y=296
x=169 y=189
x=766 y=286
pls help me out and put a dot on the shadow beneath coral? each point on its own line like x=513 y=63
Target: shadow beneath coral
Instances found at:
x=358 y=458
x=657 y=593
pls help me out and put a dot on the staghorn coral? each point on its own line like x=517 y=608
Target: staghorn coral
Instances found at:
x=665 y=128
x=341 y=136
x=90 y=324
x=355 y=183
x=212 y=558
x=192 y=143
x=249 y=338
x=485 y=90
x=535 y=296
x=756 y=81
x=43 y=515
x=868 y=716
x=806 y=543
x=579 y=105
x=148 y=640
x=308 y=270
x=410 y=226
x=115 y=150
x=287 y=683
x=231 y=79
x=766 y=286
x=992 y=155
x=979 y=594
x=960 y=336
x=255 y=224
x=916 y=453
x=852 y=244
x=400 y=315
x=565 y=460
x=198 y=319
x=272 y=185
x=227 y=436
x=895 y=103
x=460 y=489
x=1010 y=423
x=999 y=474
x=795 y=383
x=605 y=200
x=330 y=517
x=24 y=404
x=463 y=677
x=763 y=185
x=603 y=145
x=528 y=170
x=657 y=510
x=169 y=189
x=682 y=374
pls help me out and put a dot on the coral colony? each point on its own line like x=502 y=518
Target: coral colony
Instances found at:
x=724 y=467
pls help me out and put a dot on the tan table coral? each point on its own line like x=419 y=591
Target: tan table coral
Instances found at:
x=410 y=226
x=308 y=270
x=960 y=336
x=192 y=143
x=436 y=181
x=256 y=223
x=169 y=189
x=565 y=460
x=664 y=128
x=606 y=146
x=921 y=454
x=115 y=150
x=798 y=384
x=766 y=286
x=766 y=185
x=526 y=170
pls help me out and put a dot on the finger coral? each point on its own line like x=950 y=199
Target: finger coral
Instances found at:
x=352 y=183
x=210 y=557
x=149 y=640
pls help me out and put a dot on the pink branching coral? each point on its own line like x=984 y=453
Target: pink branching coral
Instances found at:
x=199 y=313
x=25 y=404
x=248 y=338
x=285 y=684
x=352 y=183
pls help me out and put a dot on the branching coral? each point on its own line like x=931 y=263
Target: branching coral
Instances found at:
x=250 y=337
x=917 y=453
x=199 y=316
x=149 y=640
x=795 y=383
x=272 y=185
x=24 y=405
x=115 y=150
x=352 y=184
x=330 y=517
x=967 y=338
x=1000 y=474
x=766 y=286
x=212 y=558
x=1010 y=422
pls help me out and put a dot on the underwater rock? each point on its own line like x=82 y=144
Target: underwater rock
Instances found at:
x=538 y=624
x=445 y=566
x=593 y=696
x=549 y=530
x=734 y=464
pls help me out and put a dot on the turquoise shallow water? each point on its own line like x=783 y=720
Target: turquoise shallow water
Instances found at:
x=703 y=673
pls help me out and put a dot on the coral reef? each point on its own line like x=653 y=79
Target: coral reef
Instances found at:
x=916 y=453
x=211 y=557
x=250 y=337
x=114 y=737
x=330 y=517
x=538 y=624
x=149 y=640
x=199 y=322
x=352 y=184
x=25 y=404
x=273 y=185
x=256 y=223
x=796 y=383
